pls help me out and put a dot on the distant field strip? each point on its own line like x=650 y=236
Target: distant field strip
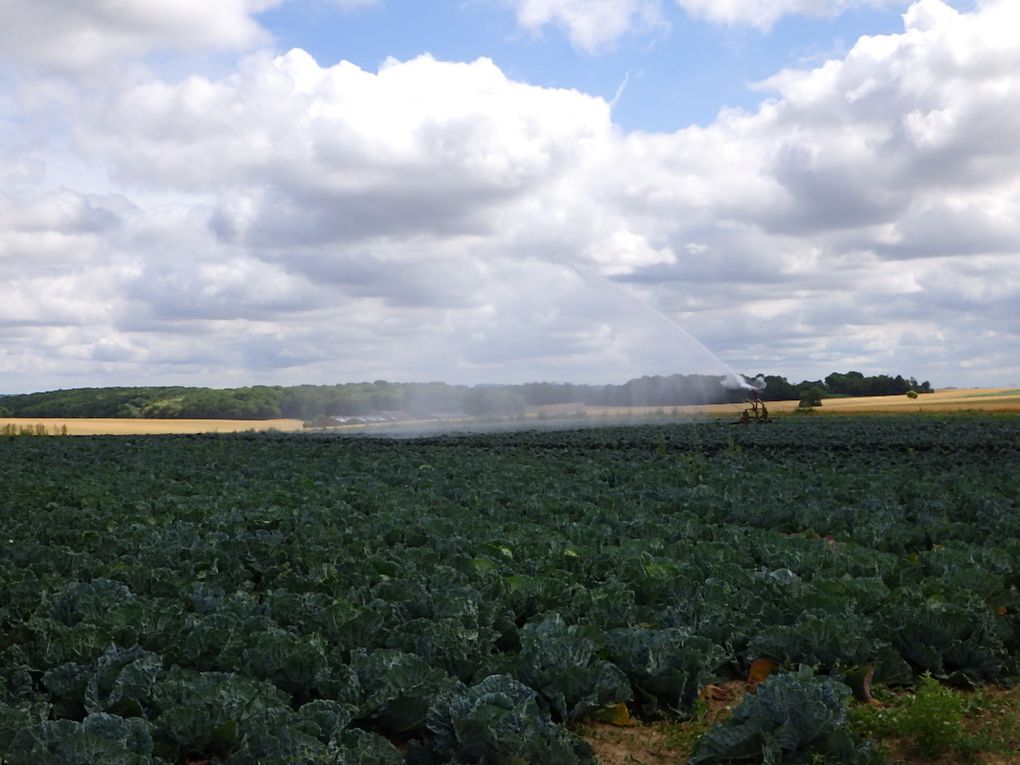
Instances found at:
x=138 y=427
x=987 y=399
x=982 y=399
x=1009 y=392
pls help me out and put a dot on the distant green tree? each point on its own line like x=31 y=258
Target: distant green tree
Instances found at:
x=811 y=396
x=778 y=389
x=856 y=384
x=850 y=384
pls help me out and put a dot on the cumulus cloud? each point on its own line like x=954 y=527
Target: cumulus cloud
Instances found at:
x=55 y=232
x=420 y=152
x=595 y=25
x=763 y=14
x=424 y=124
x=87 y=35
x=591 y=25
x=443 y=220
x=806 y=211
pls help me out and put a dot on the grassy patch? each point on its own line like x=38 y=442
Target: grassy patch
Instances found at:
x=933 y=724
x=937 y=724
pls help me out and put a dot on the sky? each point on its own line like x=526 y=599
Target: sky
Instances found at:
x=245 y=192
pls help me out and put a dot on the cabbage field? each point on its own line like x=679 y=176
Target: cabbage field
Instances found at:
x=268 y=598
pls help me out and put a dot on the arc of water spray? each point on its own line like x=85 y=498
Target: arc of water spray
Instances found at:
x=732 y=379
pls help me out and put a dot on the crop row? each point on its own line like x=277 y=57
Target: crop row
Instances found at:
x=263 y=599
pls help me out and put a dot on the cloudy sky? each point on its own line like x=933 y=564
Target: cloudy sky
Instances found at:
x=231 y=192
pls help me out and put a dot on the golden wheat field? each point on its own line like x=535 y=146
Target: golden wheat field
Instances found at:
x=969 y=399
x=978 y=399
x=133 y=427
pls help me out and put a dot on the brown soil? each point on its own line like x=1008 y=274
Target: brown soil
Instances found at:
x=665 y=741
x=640 y=745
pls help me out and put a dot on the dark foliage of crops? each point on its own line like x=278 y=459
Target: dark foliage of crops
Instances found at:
x=320 y=599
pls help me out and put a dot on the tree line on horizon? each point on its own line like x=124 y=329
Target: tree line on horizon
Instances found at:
x=310 y=402
x=846 y=384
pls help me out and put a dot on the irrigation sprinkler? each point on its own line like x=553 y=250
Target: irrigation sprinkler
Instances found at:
x=757 y=412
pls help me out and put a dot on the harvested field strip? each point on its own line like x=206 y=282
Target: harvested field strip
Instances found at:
x=139 y=427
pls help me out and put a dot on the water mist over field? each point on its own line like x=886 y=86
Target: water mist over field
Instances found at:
x=537 y=319
x=516 y=352
x=543 y=370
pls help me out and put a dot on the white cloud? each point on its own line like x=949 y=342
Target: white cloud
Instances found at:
x=87 y=35
x=595 y=25
x=426 y=220
x=420 y=150
x=763 y=14
x=343 y=129
x=591 y=25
